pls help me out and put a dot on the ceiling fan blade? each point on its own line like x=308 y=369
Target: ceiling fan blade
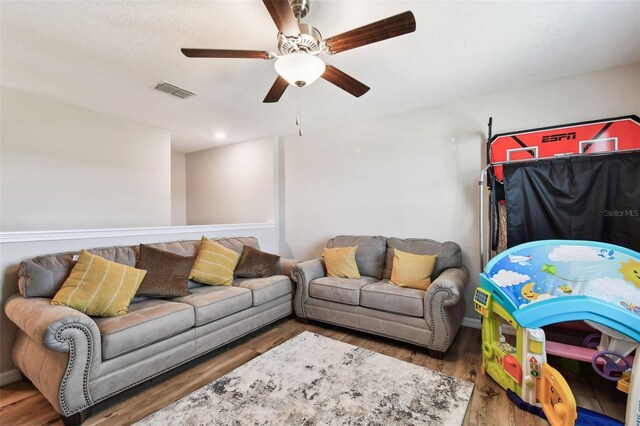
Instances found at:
x=226 y=53
x=276 y=91
x=282 y=16
x=344 y=81
x=393 y=26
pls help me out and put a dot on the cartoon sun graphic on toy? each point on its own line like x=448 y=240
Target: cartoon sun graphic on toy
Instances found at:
x=631 y=271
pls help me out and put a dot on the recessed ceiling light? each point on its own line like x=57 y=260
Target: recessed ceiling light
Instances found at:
x=220 y=135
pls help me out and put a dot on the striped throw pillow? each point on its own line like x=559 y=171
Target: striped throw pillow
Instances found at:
x=99 y=287
x=215 y=264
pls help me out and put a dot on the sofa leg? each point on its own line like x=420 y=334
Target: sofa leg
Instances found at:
x=436 y=354
x=302 y=320
x=77 y=418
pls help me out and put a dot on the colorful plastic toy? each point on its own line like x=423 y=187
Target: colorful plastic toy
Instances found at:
x=546 y=282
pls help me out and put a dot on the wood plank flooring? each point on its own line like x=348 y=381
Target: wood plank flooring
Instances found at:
x=22 y=404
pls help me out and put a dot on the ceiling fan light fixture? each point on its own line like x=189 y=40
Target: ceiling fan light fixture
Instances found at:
x=300 y=68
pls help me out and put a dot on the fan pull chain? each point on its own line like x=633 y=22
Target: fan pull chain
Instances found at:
x=299 y=112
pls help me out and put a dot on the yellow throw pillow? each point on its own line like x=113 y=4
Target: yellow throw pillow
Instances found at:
x=215 y=264
x=341 y=262
x=412 y=270
x=99 y=287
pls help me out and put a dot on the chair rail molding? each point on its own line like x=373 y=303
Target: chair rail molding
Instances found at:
x=84 y=234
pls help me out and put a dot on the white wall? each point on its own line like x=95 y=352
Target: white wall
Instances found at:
x=178 y=189
x=231 y=184
x=415 y=174
x=70 y=168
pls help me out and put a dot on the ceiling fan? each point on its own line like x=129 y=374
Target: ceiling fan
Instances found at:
x=300 y=44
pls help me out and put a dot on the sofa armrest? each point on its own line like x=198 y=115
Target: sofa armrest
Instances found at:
x=303 y=273
x=444 y=306
x=48 y=324
x=60 y=329
x=286 y=265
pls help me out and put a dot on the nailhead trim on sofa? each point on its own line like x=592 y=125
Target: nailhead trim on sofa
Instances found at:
x=446 y=328
x=72 y=360
x=294 y=275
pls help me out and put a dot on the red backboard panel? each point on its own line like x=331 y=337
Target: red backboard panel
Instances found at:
x=589 y=137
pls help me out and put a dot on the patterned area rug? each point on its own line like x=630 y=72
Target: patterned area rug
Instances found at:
x=315 y=380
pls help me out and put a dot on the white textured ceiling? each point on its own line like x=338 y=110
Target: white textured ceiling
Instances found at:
x=108 y=55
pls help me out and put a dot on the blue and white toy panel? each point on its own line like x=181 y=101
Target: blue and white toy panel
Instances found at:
x=545 y=282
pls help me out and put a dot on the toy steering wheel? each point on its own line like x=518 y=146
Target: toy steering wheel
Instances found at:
x=591 y=341
x=610 y=366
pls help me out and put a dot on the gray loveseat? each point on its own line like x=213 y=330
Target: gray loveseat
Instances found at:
x=77 y=361
x=428 y=318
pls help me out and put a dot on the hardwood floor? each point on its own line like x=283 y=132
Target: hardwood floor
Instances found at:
x=22 y=404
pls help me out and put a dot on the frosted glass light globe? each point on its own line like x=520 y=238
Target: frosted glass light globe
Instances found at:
x=300 y=69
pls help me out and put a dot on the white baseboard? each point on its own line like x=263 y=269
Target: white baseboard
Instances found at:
x=477 y=323
x=472 y=322
x=10 y=377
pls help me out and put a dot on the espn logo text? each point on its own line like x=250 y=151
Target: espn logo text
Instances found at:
x=558 y=137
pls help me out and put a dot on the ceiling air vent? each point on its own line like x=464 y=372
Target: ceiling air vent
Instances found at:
x=174 y=90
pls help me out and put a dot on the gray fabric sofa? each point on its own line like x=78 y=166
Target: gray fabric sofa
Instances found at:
x=77 y=361
x=428 y=318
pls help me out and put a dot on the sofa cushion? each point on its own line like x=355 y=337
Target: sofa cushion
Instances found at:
x=147 y=322
x=167 y=273
x=370 y=253
x=342 y=290
x=214 y=264
x=265 y=289
x=237 y=243
x=99 y=287
x=43 y=276
x=254 y=263
x=387 y=297
x=412 y=270
x=183 y=248
x=191 y=247
x=194 y=284
x=449 y=254
x=341 y=262
x=214 y=302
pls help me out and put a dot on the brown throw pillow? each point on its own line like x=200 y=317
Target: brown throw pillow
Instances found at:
x=167 y=273
x=256 y=264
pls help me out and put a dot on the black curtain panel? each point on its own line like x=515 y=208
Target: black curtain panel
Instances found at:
x=582 y=198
